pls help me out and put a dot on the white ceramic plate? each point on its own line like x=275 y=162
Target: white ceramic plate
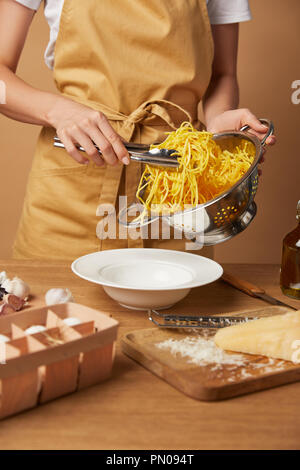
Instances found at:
x=147 y=278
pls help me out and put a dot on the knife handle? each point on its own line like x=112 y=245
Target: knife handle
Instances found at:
x=242 y=285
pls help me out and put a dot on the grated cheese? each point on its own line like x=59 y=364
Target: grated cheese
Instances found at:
x=201 y=351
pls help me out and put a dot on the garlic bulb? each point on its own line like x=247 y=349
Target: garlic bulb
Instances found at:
x=3 y=277
x=16 y=287
x=58 y=296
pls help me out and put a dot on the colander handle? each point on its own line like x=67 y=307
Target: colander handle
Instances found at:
x=270 y=130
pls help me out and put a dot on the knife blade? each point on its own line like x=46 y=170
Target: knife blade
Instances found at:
x=252 y=290
x=271 y=300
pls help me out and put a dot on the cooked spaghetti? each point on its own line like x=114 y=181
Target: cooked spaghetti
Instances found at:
x=204 y=172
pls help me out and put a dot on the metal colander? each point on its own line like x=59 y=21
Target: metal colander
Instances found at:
x=226 y=215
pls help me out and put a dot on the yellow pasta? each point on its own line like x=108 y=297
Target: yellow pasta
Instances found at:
x=204 y=172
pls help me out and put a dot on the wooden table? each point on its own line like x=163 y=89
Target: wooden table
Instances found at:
x=135 y=409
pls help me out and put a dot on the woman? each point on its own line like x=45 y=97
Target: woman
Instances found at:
x=125 y=70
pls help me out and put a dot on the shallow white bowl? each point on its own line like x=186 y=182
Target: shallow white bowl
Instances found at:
x=146 y=278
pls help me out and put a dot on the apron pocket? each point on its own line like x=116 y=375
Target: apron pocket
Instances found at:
x=59 y=216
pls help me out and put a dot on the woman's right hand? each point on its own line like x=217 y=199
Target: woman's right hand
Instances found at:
x=77 y=124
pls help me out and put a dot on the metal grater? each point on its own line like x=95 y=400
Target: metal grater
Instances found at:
x=187 y=321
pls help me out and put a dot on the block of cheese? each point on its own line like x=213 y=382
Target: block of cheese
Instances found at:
x=277 y=337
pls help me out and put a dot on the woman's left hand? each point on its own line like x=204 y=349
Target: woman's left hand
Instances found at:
x=237 y=118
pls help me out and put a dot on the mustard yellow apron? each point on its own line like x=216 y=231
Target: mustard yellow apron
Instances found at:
x=145 y=64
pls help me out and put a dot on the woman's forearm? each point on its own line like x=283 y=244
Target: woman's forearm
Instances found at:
x=74 y=122
x=25 y=103
x=222 y=95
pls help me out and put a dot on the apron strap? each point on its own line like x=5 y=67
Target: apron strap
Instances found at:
x=143 y=115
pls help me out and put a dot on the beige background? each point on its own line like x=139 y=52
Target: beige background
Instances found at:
x=268 y=64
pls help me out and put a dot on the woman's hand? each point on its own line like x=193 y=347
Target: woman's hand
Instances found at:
x=77 y=124
x=74 y=123
x=237 y=118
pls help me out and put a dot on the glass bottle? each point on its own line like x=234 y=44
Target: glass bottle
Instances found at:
x=290 y=265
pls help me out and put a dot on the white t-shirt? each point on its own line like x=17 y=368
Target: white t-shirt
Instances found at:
x=219 y=11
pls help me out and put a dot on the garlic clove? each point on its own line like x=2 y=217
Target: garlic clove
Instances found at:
x=35 y=329
x=16 y=287
x=14 y=301
x=4 y=339
x=3 y=277
x=2 y=293
x=72 y=321
x=58 y=296
x=6 y=309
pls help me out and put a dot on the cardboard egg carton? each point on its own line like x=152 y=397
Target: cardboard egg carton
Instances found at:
x=40 y=367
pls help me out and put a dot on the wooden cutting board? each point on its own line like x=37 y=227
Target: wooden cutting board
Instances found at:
x=208 y=382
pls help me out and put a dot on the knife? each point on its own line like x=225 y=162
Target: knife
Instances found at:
x=252 y=290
